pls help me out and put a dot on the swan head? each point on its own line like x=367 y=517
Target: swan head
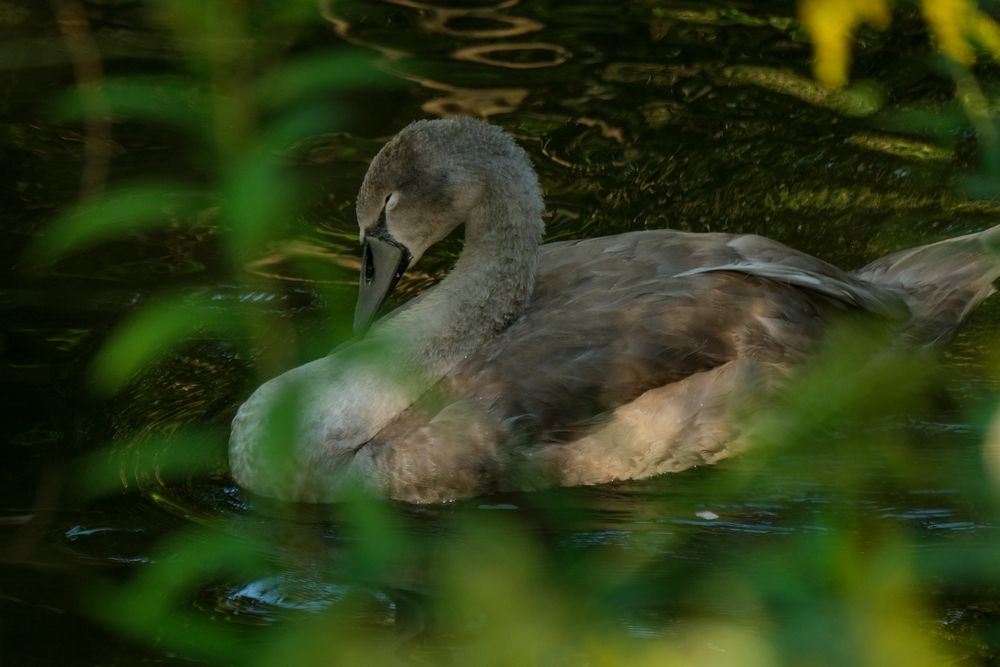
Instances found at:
x=430 y=178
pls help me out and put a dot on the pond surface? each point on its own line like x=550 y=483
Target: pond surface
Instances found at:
x=690 y=115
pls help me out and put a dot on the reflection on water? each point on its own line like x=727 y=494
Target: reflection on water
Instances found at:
x=487 y=22
x=478 y=23
x=684 y=115
x=282 y=593
x=528 y=55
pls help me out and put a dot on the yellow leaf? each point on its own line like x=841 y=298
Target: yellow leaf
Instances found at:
x=987 y=33
x=831 y=25
x=951 y=22
x=958 y=27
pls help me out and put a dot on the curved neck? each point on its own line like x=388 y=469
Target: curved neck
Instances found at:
x=488 y=288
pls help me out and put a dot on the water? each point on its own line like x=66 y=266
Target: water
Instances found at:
x=696 y=116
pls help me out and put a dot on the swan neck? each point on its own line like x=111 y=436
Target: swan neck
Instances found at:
x=484 y=293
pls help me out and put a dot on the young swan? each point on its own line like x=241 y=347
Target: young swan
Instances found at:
x=574 y=363
x=431 y=178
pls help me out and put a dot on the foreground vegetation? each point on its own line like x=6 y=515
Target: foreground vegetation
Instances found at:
x=854 y=589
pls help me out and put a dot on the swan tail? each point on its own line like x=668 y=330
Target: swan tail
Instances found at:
x=941 y=282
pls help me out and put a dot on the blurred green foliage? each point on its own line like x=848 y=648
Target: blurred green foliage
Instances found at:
x=854 y=591
x=245 y=102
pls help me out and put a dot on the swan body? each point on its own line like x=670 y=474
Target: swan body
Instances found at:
x=569 y=363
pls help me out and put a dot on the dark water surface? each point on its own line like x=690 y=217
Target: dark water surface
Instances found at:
x=690 y=115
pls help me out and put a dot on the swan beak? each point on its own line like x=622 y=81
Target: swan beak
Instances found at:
x=383 y=261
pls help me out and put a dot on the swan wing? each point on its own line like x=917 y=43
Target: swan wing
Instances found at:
x=637 y=330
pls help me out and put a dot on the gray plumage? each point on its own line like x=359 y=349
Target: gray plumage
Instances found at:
x=571 y=363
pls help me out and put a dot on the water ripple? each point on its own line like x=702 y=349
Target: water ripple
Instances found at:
x=526 y=55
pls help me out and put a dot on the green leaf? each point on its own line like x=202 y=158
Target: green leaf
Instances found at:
x=155 y=330
x=315 y=75
x=156 y=605
x=259 y=199
x=146 y=461
x=126 y=210
x=208 y=33
x=260 y=195
x=944 y=125
x=984 y=185
x=281 y=432
x=379 y=541
x=170 y=101
x=295 y=126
